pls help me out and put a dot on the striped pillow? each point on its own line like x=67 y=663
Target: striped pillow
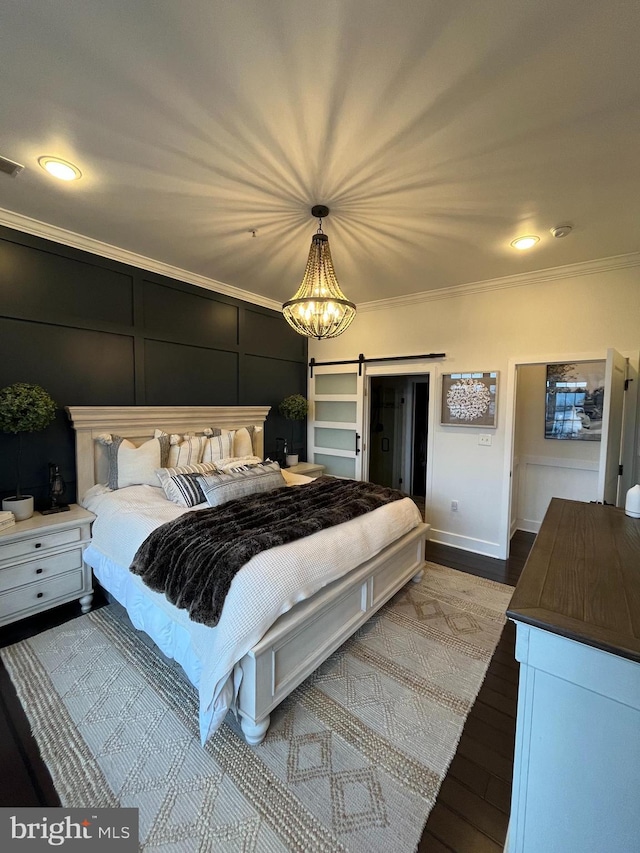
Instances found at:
x=219 y=488
x=187 y=452
x=181 y=484
x=219 y=445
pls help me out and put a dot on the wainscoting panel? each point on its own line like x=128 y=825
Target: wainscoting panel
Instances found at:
x=196 y=319
x=90 y=367
x=42 y=284
x=542 y=477
x=263 y=381
x=177 y=375
x=264 y=336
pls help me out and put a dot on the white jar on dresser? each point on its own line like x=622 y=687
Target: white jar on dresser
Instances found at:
x=41 y=563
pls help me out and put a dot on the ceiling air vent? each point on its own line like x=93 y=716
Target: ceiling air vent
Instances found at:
x=8 y=167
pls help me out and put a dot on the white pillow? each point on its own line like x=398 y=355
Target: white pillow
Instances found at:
x=181 y=484
x=243 y=442
x=186 y=452
x=219 y=445
x=249 y=480
x=133 y=466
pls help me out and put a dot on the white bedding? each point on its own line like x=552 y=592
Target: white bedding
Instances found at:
x=266 y=587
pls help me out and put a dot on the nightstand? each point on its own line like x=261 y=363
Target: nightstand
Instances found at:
x=309 y=469
x=41 y=563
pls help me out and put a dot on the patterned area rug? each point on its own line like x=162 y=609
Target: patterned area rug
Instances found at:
x=353 y=759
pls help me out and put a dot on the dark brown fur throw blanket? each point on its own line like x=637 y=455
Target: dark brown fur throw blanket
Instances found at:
x=194 y=558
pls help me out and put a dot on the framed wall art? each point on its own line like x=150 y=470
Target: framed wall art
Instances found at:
x=574 y=400
x=469 y=399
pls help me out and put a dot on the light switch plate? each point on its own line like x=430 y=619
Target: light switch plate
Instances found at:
x=485 y=440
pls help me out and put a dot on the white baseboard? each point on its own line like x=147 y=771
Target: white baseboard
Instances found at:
x=528 y=525
x=466 y=543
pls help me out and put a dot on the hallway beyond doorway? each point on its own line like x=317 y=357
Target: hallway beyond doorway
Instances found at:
x=398 y=430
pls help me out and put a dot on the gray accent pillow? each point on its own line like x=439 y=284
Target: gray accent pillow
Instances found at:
x=240 y=482
x=181 y=484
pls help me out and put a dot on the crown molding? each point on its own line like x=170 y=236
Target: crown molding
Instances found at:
x=28 y=225
x=96 y=247
x=600 y=265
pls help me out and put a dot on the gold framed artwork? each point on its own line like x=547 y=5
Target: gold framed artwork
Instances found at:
x=469 y=399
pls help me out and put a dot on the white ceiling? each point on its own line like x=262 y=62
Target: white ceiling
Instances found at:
x=435 y=131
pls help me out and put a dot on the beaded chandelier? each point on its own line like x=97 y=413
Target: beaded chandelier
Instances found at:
x=319 y=309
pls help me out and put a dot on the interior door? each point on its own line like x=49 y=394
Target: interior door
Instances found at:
x=387 y=433
x=612 y=420
x=336 y=394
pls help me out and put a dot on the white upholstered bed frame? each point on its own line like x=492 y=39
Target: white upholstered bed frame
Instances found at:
x=300 y=640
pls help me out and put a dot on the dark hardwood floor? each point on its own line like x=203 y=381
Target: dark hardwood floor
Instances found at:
x=471 y=813
x=472 y=809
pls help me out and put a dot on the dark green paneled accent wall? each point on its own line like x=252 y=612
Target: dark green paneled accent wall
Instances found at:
x=96 y=332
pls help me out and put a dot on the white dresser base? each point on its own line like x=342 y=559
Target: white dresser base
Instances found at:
x=576 y=784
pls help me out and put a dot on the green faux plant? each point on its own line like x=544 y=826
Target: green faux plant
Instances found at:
x=24 y=408
x=294 y=408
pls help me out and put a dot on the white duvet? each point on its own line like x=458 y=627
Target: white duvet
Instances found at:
x=270 y=584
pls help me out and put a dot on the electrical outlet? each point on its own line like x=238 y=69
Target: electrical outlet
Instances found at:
x=454 y=506
x=485 y=440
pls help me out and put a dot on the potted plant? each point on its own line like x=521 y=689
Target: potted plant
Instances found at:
x=23 y=408
x=293 y=408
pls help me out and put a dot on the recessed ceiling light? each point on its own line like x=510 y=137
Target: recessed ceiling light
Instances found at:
x=525 y=242
x=60 y=169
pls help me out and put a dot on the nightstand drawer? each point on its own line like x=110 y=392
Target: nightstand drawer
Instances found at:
x=40 y=569
x=37 y=544
x=36 y=594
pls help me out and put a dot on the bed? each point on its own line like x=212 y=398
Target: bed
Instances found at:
x=320 y=590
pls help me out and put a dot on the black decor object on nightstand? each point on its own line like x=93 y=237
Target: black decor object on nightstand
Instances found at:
x=57 y=487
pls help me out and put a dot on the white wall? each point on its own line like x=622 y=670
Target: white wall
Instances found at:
x=543 y=467
x=584 y=313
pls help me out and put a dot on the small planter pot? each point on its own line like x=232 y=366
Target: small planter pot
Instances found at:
x=291 y=459
x=22 y=507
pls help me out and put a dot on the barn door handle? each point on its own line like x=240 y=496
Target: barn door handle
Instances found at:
x=357 y=444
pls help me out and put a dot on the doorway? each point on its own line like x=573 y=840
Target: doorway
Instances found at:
x=615 y=464
x=556 y=448
x=397 y=437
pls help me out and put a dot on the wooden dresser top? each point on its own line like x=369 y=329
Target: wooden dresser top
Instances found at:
x=582 y=578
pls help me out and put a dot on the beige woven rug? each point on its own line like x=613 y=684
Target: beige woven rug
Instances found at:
x=352 y=761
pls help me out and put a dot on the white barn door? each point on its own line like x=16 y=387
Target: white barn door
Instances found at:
x=335 y=428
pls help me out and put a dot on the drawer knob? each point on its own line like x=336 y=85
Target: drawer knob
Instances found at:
x=38 y=545
x=39 y=595
x=38 y=571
